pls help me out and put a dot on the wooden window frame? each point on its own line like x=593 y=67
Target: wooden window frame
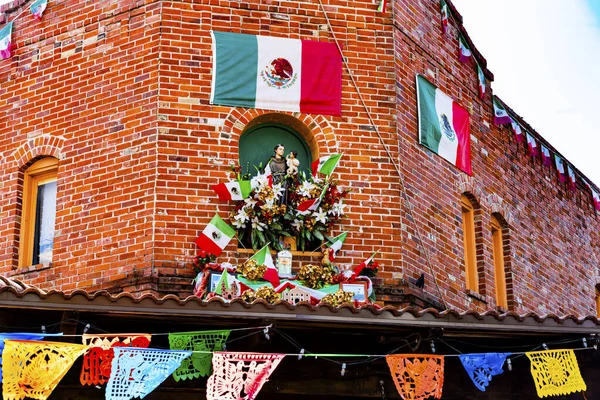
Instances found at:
x=469 y=242
x=41 y=172
x=499 y=264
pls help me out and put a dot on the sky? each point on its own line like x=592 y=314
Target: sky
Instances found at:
x=545 y=56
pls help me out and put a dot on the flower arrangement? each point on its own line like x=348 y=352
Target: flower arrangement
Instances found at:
x=316 y=276
x=275 y=210
x=314 y=225
x=202 y=259
x=338 y=298
x=264 y=292
x=251 y=270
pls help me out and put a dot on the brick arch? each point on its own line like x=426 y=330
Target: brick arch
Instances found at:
x=499 y=208
x=471 y=188
x=41 y=146
x=315 y=130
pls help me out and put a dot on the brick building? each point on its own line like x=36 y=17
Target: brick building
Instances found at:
x=113 y=96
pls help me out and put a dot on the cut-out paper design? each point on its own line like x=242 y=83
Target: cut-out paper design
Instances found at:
x=481 y=367
x=33 y=369
x=198 y=364
x=136 y=372
x=555 y=372
x=417 y=377
x=16 y=336
x=97 y=361
x=240 y=376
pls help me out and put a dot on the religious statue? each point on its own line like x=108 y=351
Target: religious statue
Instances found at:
x=292 y=164
x=277 y=164
x=283 y=169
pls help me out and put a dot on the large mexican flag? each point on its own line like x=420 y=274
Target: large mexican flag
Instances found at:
x=276 y=73
x=443 y=125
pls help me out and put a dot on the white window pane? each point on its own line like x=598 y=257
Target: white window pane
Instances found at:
x=46 y=220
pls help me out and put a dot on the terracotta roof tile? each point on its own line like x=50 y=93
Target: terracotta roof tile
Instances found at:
x=103 y=298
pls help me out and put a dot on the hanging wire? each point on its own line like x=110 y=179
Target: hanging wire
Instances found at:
x=389 y=154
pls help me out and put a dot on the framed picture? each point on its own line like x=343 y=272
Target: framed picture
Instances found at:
x=213 y=280
x=360 y=290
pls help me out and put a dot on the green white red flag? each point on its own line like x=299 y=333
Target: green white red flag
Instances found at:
x=335 y=244
x=263 y=257
x=234 y=190
x=501 y=117
x=596 y=198
x=481 y=82
x=516 y=128
x=464 y=53
x=532 y=146
x=444 y=12
x=216 y=236
x=358 y=269
x=276 y=73
x=382 y=6
x=312 y=204
x=37 y=8
x=560 y=168
x=546 y=158
x=443 y=125
x=6 y=41
x=572 y=180
x=326 y=164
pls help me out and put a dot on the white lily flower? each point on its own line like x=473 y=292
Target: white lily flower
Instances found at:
x=250 y=202
x=305 y=189
x=298 y=224
x=256 y=224
x=337 y=209
x=320 y=216
x=258 y=181
x=239 y=224
x=242 y=216
x=268 y=203
x=278 y=190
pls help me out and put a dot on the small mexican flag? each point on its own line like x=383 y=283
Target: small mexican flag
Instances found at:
x=234 y=190
x=532 y=146
x=216 y=236
x=516 y=128
x=443 y=125
x=596 y=198
x=546 y=159
x=275 y=73
x=444 y=12
x=37 y=8
x=263 y=256
x=481 y=80
x=560 y=168
x=312 y=204
x=382 y=6
x=572 y=178
x=358 y=269
x=326 y=164
x=500 y=115
x=464 y=53
x=335 y=244
x=6 y=41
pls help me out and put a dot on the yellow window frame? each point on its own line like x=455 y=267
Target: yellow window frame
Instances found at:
x=468 y=222
x=498 y=255
x=41 y=172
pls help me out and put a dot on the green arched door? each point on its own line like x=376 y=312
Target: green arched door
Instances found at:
x=256 y=146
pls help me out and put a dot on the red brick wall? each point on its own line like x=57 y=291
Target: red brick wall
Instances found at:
x=140 y=146
x=83 y=86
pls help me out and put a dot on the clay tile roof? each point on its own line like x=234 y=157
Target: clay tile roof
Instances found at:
x=13 y=293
